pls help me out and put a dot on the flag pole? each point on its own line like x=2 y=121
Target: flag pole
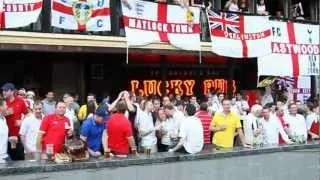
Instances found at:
x=200 y=57
x=127 y=54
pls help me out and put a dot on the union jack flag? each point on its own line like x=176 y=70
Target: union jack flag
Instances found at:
x=286 y=82
x=223 y=21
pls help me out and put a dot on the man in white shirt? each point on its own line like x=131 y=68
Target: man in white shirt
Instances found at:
x=312 y=121
x=217 y=103
x=296 y=124
x=252 y=126
x=267 y=97
x=193 y=100
x=272 y=128
x=191 y=133
x=176 y=116
x=3 y=132
x=146 y=128
x=30 y=128
x=242 y=105
x=71 y=114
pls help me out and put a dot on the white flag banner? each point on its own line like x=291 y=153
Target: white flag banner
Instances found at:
x=148 y=22
x=81 y=15
x=299 y=88
x=295 y=50
x=1 y=13
x=239 y=36
x=19 y=13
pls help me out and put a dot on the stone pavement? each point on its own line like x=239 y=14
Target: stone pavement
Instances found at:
x=294 y=165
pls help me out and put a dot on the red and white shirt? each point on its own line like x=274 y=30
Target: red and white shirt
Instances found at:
x=205 y=118
x=313 y=123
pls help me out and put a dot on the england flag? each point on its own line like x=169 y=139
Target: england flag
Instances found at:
x=148 y=22
x=295 y=50
x=19 y=13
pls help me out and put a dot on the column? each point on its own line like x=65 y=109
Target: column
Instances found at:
x=230 y=68
x=286 y=8
x=46 y=16
x=82 y=82
x=164 y=73
x=314 y=13
x=216 y=4
x=252 y=6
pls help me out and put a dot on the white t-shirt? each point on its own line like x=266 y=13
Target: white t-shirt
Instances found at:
x=250 y=125
x=3 y=138
x=271 y=130
x=30 y=128
x=71 y=115
x=244 y=106
x=144 y=122
x=297 y=125
x=178 y=117
x=261 y=8
x=233 y=7
x=267 y=98
x=192 y=132
x=168 y=126
x=216 y=107
x=313 y=117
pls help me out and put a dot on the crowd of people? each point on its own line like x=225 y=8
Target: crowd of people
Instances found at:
x=261 y=8
x=31 y=128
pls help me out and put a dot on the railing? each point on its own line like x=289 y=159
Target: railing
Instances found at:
x=43 y=24
x=32 y=167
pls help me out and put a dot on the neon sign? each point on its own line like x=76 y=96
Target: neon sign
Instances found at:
x=179 y=87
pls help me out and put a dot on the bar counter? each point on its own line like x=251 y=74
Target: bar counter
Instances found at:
x=30 y=167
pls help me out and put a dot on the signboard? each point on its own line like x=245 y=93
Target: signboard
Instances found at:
x=179 y=87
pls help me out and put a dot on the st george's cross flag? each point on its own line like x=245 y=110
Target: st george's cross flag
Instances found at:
x=295 y=50
x=239 y=36
x=81 y=15
x=19 y=13
x=148 y=22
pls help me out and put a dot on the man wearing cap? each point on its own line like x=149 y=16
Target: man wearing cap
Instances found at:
x=14 y=115
x=92 y=130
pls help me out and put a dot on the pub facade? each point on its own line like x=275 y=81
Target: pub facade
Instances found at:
x=43 y=58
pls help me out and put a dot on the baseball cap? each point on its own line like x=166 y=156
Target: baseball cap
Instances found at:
x=101 y=112
x=8 y=86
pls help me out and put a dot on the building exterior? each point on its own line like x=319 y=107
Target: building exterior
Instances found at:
x=44 y=58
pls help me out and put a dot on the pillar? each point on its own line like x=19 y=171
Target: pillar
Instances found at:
x=46 y=16
x=82 y=82
x=230 y=69
x=164 y=73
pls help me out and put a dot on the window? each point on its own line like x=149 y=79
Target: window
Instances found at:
x=275 y=7
x=97 y=72
x=300 y=9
